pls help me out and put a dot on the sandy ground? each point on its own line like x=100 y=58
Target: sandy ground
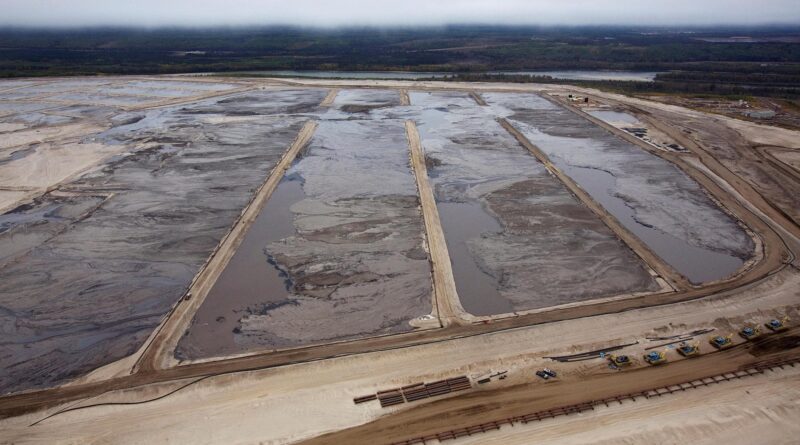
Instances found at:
x=789 y=157
x=297 y=402
x=25 y=137
x=51 y=164
x=446 y=305
x=305 y=400
x=761 y=409
x=9 y=198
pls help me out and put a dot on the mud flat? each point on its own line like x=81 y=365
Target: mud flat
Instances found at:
x=111 y=91
x=363 y=101
x=518 y=240
x=92 y=274
x=337 y=252
x=651 y=197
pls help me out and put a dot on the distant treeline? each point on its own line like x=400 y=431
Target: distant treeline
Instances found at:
x=692 y=63
x=766 y=79
x=659 y=86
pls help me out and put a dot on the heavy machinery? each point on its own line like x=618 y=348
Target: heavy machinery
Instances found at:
x=655 y=357
x=721 y=342
x=619 y=360
x=688 y=350
x=776 y=325
x=750 y=332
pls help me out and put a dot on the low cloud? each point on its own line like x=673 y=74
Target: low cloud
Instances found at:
x=150 y=13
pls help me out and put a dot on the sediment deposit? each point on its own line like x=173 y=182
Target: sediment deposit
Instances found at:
x=517 y=238
x=351 y=261
x=139 y=228
x=650 y=196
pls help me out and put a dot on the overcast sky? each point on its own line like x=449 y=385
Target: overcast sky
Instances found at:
x=396 y=12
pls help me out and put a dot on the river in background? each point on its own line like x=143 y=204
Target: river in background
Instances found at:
x=415 y=75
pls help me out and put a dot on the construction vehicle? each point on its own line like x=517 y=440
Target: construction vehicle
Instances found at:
x=721 y=342
x=655 y=357
x=750 y=332
x=776 y=325
x=688 y=350
x=619 y=360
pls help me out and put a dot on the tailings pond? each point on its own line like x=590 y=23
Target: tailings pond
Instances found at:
x=517 y=238
x=651 y=197
x=99 y=262
x=339 y=244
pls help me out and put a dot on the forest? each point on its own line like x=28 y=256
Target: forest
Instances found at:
x=763 y=61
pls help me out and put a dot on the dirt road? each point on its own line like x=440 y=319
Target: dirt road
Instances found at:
x=493 y=405
x=158 y=351
x=675 y=280
x=446 y=299
x=768 y=286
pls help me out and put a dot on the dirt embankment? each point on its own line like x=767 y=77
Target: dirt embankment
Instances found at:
x=492 y=405
x=92 y=294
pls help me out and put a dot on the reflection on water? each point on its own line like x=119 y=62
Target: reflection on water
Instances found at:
x=250 y=278
x=695 y=263
x=589 y=75
x=477 y=290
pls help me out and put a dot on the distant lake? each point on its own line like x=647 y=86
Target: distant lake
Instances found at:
x=413 y=75
x=588 y=75
x=391 y=75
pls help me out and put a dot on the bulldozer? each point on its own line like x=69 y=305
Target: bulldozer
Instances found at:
x=721 y=342
x=688 y=350
x=750 y=332
x=619 y=361
x=655 y=357
x=776 y=325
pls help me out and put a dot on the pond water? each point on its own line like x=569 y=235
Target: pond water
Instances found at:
x=251 y=278
x=589 y=75
x=476 y=289
x=695 y=263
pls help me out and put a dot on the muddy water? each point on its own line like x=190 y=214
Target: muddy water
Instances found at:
x=251 y=280
x=78 y=298
x=477 y=289
x=654 y=199
x=614 y=116
x=697 y=264
x=346 y=253
x=517 y=238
